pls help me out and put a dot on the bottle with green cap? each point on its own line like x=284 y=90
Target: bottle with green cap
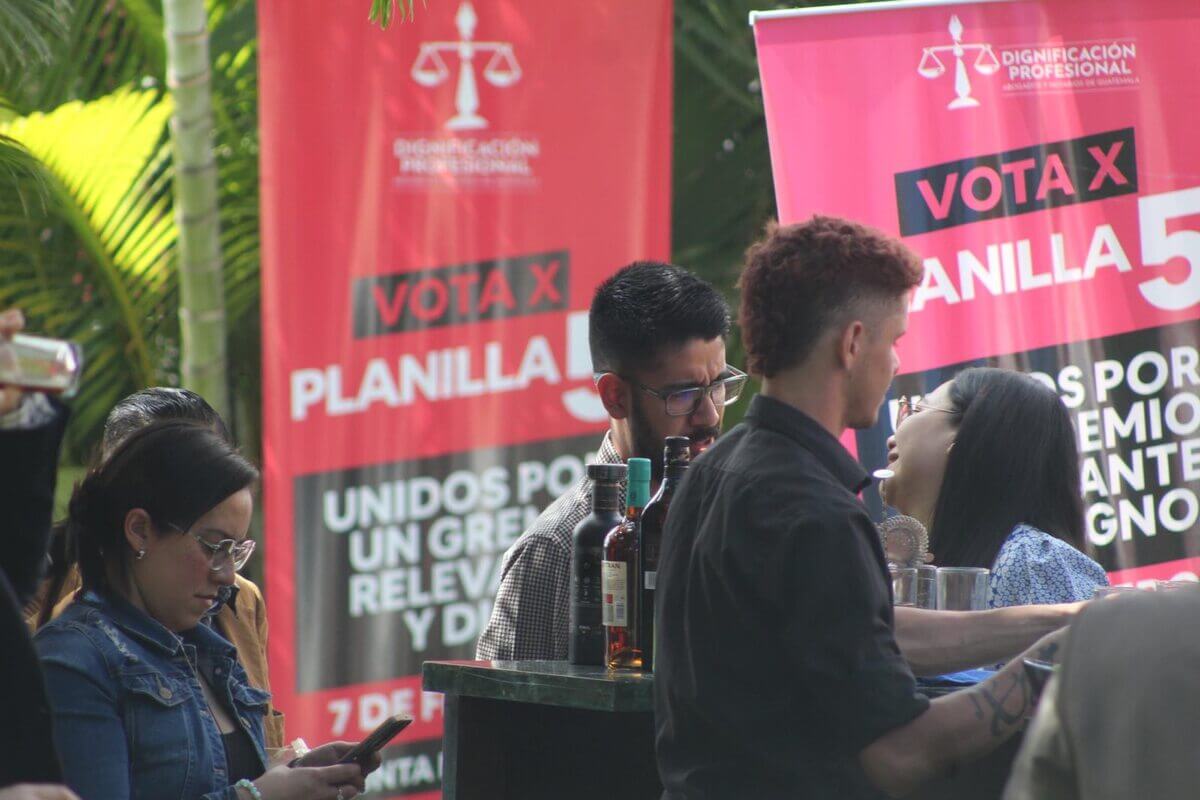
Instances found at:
x=619 y=574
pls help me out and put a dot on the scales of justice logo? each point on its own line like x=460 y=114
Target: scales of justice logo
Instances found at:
x=932 y=67
x=501 y=70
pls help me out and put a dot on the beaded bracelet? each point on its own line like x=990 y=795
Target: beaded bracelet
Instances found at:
x=255 y=794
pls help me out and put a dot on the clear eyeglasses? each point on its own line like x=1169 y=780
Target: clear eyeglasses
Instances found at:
x=683 y=402
x=223 y=553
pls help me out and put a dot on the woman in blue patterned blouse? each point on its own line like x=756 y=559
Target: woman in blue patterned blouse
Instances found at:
x=988 y=463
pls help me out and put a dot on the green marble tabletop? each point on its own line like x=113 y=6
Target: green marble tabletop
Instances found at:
x=553 y=683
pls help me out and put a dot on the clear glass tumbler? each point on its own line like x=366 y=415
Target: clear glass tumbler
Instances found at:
x=962 y=588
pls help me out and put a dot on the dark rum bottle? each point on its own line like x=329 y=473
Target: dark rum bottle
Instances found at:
x=585 y=645
x=619 y=574
x=676 y=457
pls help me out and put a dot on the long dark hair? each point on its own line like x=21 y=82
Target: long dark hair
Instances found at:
x=134 y=412
x=1014 y=461
x=175 y=470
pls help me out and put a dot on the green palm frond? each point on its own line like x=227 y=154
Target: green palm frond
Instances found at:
x=28 y=30
x=95 y=267
x=19 y=167
x=107 y=44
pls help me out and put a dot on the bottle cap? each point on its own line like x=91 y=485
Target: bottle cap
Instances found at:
x=639 y=469
x=676 y=446
x=606 y=473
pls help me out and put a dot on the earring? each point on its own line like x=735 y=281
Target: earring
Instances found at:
x=140 y=555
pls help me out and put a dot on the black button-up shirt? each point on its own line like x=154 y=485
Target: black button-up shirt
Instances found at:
x=776 y=663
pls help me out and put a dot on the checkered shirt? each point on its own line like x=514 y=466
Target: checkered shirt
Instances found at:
x=530 y=618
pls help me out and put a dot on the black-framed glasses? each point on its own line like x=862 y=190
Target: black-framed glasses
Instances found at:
x=225 y=552
x=684 y=402
x=906 y=407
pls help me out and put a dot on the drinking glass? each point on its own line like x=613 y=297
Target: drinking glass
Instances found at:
x=40 y=364
x=926 y=587
x=962 y=588
x=904 y=585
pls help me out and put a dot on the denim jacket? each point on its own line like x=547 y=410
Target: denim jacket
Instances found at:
x=130 y=719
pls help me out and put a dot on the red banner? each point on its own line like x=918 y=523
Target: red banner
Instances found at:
x=1040 y=157
x=439 y=202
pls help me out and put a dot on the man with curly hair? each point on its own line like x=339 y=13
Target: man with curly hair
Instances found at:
x=777 y=670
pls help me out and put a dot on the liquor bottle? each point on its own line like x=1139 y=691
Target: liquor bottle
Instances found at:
x=676 y=457
x=619 y=574
x=586 y=642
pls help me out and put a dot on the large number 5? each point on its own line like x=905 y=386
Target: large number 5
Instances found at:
x=1159 y=247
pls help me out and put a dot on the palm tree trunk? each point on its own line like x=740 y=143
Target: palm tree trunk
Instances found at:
x=201 y=290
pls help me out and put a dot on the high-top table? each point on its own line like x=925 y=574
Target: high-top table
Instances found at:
x=528 y=730
x=544 y=729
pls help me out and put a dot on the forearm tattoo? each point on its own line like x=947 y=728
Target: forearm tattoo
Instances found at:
x=1048 y=653
x=1006 y=704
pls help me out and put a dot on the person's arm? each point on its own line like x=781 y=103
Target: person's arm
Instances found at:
x=956 y=729
x=937 y=642
x=88 y=728
x=534 y=584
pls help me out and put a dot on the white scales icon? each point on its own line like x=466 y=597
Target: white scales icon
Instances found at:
x=985 y=64
x=501 y=69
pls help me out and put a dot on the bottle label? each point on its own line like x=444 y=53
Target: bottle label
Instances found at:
x=614 y=585
x=587 y=591
x=651 y=578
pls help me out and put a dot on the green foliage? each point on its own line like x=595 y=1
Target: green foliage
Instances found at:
x=93 y=262
x=70 y=254
x=106 y=45
x=234 y=45
x=29 y=30
x=17 y=166
x=723 y=194
x=382 y=11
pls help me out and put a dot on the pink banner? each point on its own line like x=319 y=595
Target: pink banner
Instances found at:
x=1040 y=157
x=440 y=201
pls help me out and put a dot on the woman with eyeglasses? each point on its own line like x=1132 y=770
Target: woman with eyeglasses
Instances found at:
x=240 y=614
x=146 y=701
x=988 y=463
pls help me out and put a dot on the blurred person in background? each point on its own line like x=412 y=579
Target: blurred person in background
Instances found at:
x=1118 y=720
x=988 y=463
x=31 y=429
x=146 y=701
x=240 y=615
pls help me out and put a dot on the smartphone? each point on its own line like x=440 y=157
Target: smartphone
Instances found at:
x=379 y=737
